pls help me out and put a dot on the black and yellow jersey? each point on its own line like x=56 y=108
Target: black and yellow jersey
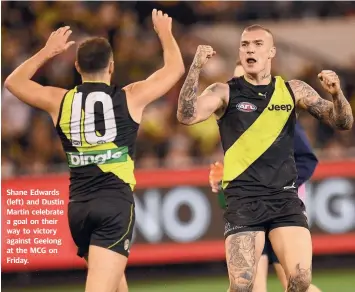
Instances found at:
x=257 y=132
x=98 y=136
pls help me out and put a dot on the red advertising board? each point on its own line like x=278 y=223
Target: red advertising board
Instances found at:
x=177 y=218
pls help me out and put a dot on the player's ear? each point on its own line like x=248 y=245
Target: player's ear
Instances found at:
x=272 y=53
x=77 y=67
x=111 y=67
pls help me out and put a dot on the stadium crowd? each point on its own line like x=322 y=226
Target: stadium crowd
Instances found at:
x=29 y=141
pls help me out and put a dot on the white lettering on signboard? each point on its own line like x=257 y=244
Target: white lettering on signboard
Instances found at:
x=157 y=215
x=331 y=205
x=199 y=207
x=148 y=216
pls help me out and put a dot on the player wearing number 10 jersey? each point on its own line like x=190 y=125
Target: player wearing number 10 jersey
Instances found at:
x=97 y=123
x=98 y=136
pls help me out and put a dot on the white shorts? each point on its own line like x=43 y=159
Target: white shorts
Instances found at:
x=302 y=193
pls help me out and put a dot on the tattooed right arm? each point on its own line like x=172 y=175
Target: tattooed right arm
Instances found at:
x=188 y=94
x=192 y=108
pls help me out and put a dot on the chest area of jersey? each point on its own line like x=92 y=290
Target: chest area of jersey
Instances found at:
x=246 y=110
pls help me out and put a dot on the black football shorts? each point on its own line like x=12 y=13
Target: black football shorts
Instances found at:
x=104 y=221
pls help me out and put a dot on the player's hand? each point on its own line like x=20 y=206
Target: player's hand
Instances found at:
x=58 y=41
x=162 y=22
x=330 y=81
x=216 y=175
x=203 y=54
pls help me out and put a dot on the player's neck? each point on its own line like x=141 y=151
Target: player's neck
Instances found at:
x=95 y=78
x=262 y=78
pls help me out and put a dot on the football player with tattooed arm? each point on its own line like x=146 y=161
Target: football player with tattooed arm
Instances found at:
x=256 y=117
x=306 y=163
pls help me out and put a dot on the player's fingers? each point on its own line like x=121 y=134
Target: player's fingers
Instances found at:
x=331 y=82
x=327 y=71
x=160 y=13
x=331 y=77
x=321 y=77
x=154 y=14
x=68 y=33
x=325 y=80
x=69 y=44
x=63 y=29
x=214 y=187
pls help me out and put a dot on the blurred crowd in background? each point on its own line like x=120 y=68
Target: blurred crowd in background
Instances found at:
x=29 y=141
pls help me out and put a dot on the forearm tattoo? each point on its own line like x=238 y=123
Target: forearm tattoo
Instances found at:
x=344 y=115
x=337 y=114
x=188 y=94
x=300 y=281
x=241 y=261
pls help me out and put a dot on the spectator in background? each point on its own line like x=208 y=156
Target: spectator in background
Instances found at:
x=25 y=26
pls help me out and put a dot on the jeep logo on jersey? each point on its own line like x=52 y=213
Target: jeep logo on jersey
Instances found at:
x=282 y=107
x=246 y=107
x=77 y=159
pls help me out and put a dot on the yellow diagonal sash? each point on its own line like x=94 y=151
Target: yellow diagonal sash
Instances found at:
x=259 y=136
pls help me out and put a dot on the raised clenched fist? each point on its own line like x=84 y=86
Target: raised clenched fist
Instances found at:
x=330 y=81
x=203 y=54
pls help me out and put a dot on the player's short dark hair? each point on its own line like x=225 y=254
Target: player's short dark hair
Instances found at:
x=93 y=55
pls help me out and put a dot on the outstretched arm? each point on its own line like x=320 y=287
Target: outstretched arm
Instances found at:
x=141 y=93
x=337 y=114
x=19 y=82
x=192 y=108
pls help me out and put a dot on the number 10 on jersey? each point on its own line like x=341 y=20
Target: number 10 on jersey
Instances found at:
x=83 y=121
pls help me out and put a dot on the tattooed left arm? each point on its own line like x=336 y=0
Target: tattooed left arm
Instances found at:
x=337 y=114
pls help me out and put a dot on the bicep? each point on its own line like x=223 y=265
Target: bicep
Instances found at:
x=155 y=86
x=212 y=100
x=42 y=97
x=308 y=99
x=207 y=105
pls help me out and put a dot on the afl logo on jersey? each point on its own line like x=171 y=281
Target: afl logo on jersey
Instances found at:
x=246 y=107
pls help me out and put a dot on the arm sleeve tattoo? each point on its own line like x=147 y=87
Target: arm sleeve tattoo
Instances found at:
x=337 y=114
x=188 y=94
